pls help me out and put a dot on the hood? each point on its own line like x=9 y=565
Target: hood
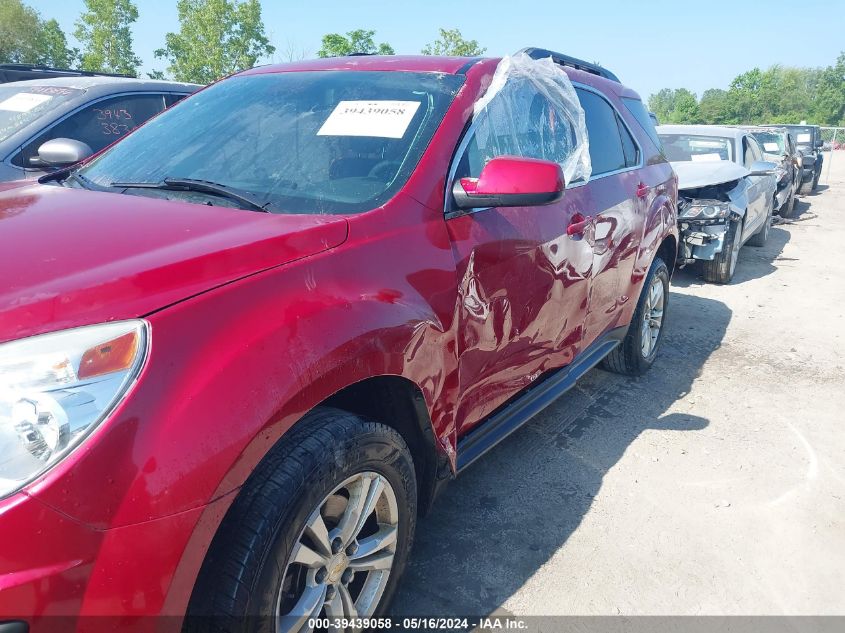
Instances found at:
x=692 y=175
x=70 y=257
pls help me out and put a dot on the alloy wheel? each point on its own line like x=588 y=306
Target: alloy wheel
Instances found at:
x=652 y=316
x=341 y=562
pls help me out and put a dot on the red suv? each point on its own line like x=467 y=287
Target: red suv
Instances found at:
x=242 y=348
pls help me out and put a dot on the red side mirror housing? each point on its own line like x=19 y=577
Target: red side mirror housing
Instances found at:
x=511 y=181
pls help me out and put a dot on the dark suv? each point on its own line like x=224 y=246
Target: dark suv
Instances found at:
x=242 y=348
x=810 y=143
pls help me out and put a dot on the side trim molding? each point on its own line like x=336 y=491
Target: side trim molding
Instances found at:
x=513 y=414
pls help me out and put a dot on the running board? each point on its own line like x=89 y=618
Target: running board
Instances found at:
x=512 y=415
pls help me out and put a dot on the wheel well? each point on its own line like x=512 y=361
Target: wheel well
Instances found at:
x=668 y=252
x=398 y=403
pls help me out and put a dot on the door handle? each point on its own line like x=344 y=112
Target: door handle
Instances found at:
x=577 y=224
x=642 y=190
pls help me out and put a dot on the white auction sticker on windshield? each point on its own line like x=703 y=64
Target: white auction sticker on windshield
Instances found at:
x=23 y=102
x=382 y=119
x=804 y=138
x=705 y=158
x=771 y=147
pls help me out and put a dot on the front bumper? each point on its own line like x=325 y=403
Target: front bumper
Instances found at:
x=57 y=574
x=701 y=239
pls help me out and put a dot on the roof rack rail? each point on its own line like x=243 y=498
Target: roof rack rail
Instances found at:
x=17 y=72
x=573 y=62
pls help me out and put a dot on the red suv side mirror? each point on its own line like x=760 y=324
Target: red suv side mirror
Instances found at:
x=511 y=181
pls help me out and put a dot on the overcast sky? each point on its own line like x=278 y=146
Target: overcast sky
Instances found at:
x=649 y=45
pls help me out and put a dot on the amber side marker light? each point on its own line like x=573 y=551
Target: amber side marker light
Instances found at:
x=111 y=356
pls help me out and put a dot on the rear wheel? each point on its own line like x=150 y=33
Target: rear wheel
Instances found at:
x=720 y=270
x=638 y=350
x=805 y=188
x=322 y=529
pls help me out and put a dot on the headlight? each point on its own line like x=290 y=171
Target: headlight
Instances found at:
x=56 y=388
x=695 y=211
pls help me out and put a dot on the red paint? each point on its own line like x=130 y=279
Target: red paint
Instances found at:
x=256 y=318
x=508 y=175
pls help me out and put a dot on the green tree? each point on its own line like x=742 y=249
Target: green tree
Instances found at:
x=357 y=41
x=714 y=107
x=105 y=31
x=685 y=108
x=829 y=102
x=215 y=38
x=451 y=42
x=662 y=103
x=53 y=47
x=26 y=38
x=19 y=28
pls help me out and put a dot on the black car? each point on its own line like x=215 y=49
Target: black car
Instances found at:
x=779 y=146
x=809 y=140
x=53 y=122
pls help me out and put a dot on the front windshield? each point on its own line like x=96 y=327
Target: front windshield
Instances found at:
x=301 y=142
x=689 y=147
x=772 y=142
x=21 y=105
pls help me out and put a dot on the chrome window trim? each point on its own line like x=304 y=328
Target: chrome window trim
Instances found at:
x=450 y=213
x=19 y=148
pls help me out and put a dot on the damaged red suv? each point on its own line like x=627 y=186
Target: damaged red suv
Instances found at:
x=243 y=348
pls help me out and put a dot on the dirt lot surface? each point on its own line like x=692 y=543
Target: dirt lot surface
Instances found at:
x=715 y=484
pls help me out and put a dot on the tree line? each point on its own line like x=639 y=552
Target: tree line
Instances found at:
x=215 y=38
x=780 y=94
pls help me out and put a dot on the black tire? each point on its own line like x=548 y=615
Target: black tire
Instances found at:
x=761 y=236
x=240 y=580
x=720 y=270
x=806 y=188
x=628 y=358
x=789 y=206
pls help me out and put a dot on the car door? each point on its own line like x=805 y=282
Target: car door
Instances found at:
x=98 y=124
x=757 y=202
x=523 y=282
x=616 y=209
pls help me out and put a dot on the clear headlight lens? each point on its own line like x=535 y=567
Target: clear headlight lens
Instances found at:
x=694 y=211
x=56 y=388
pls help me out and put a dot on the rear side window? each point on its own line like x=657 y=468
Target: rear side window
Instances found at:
x=629 y=147
x=606 y=153
x=639 y=112
x=173 y=98
x=98 y=124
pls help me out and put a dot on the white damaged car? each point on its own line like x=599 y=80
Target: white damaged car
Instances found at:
x=726 y=194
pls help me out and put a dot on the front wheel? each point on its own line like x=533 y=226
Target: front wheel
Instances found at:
x=762 y=235
x=720 y=269
x=638 y=350
x=323 y=528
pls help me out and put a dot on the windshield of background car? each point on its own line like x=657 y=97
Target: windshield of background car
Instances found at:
x=803 y=135
x=20 y=106
x=688 y=147
x=771 y=142
x=300 y=142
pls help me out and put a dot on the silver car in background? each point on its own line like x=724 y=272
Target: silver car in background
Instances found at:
x=726 y=192
x=50 y=123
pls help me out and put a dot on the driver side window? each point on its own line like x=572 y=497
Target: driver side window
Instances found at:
x=98 y=124
x=503 y=129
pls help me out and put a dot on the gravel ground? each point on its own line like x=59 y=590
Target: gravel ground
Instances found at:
x=715 y=484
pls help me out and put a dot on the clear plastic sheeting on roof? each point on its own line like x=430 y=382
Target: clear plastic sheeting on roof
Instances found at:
x=531 y=109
